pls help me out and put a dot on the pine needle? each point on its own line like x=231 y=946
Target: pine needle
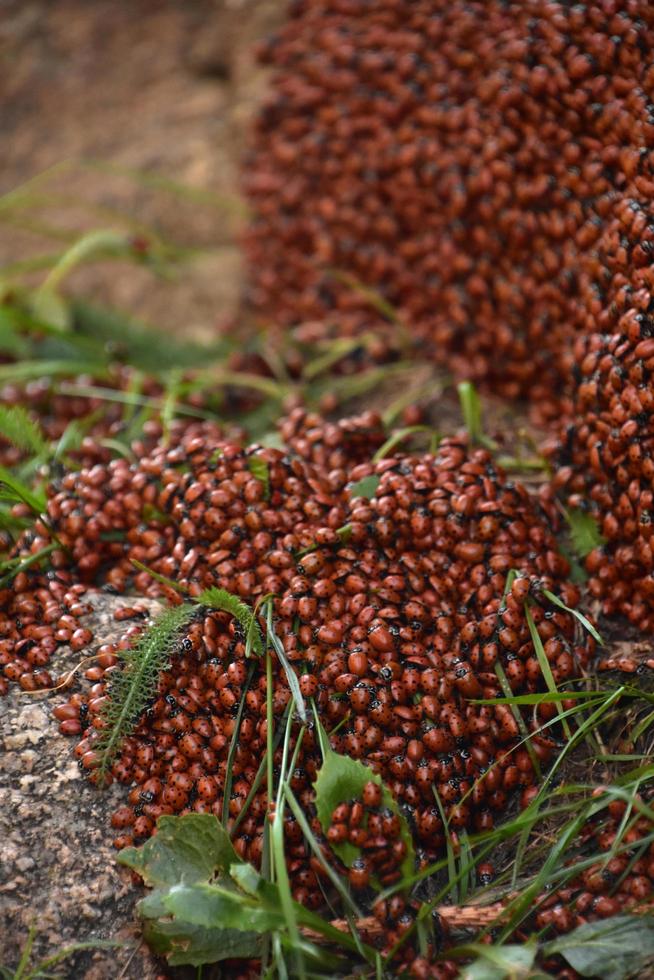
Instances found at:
x=131 y=688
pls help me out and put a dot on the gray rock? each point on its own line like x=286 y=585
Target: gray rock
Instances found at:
x=58 y=868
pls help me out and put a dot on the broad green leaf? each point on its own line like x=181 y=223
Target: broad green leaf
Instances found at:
x=366 y=487
x=184 y=944
x=500 y=963
x=214 y=906
x=341 y=779
x=612 y=949
x=246 y=877
x=585 y=535
x=188 y=849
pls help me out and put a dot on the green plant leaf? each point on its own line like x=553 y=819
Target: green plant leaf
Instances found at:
x=40 y=971
x=372 y=296
x=259 y=469
x=246 y=877
x=185 y=849
x=99 y=242
x=344 y=533
x=341 y=779
x=20 y=430
x=18 y=491
x=140 y=346
x=184 y=944
x=366 y=487
x=12 y=342
x=131 y=688
x=49 y=307
x=214 y=906
x=222 y=599
x=585 y=535
x=500 y=963
x=611 y=948
x=71 y=438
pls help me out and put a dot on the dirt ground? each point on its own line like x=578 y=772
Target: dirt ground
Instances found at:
x=112 y=100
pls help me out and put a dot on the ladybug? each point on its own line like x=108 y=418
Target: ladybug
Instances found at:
x=359 y=874
x=485 y=873
x=372 y=795
x=337 y=833
x=175 y=797
x=391 y=825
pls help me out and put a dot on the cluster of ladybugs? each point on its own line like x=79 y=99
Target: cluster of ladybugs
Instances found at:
x=606 y=462
x=392 y=607
x=485 y=166
x=395 y=607
x=375 y=831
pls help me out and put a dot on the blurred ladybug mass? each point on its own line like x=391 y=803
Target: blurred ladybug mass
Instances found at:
x=486 y=170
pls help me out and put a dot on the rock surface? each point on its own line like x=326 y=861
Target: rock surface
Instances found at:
x=58 y=868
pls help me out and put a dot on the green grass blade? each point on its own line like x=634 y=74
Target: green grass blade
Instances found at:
x=471 y=408
x=398 y=437
x=574 y=612
x=544 y=663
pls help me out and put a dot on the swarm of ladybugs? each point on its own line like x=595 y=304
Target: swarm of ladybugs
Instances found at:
x=605 y=462
x=375 y=831
x=486 y=167
x=397 y=609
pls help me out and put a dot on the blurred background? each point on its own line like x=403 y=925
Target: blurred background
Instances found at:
x=130 y=115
